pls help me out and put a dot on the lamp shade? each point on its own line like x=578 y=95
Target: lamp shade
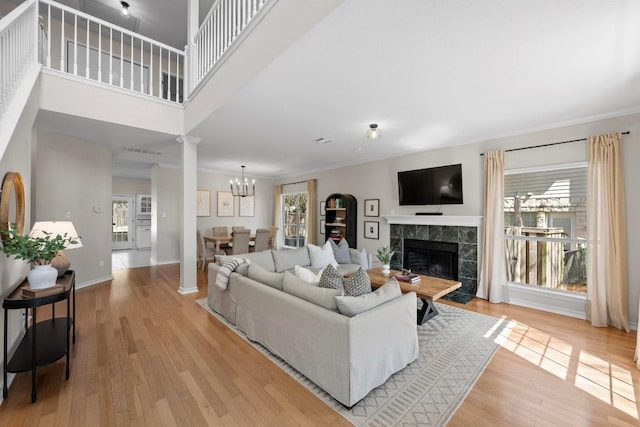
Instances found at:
x=56 y=228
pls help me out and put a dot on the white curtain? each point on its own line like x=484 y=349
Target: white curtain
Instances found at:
x=607 y=245
x=312 y=225
x=493 y=281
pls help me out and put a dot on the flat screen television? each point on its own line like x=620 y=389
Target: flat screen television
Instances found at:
x=431 y=186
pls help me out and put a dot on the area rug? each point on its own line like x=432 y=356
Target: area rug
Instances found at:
x=455 y=347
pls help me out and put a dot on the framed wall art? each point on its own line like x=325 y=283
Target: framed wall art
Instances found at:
x=248 y=206
x=372 y=207
x=322 y=226
x=322 y=208
x=203 y=203
x=225 y=203
x=371 y=230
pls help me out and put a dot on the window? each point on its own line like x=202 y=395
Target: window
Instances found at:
x=546 y=227
x=294 y=216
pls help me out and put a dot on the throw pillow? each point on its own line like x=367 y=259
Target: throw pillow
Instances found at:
x=331 y=279
x=321 y=256
x=340 y=251
x=320 y=296
x=269 y=278
x=286 y=259
x=358 y=284
x=308 y=275
x=351 y=306
x=360 y=257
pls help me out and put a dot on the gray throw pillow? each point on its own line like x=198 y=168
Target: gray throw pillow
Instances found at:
x=286 y=259
x=341 y=251
x=331 y=279
x=269 y=278
x=356 y=285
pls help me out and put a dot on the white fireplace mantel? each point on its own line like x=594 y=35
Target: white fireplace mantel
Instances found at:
x=456 y=220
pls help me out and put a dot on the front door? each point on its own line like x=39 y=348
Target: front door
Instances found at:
x=122 y=228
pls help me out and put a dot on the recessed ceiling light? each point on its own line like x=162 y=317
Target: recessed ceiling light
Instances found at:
x=373 y=132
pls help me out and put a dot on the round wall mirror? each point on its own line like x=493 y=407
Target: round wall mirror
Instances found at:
x=12 y=203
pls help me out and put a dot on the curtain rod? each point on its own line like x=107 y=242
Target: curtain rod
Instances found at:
x=550 y=144
x=294 y=183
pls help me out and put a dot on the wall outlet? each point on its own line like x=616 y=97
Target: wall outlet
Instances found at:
x=101 y=263
x=67 y=214
x=97 y=209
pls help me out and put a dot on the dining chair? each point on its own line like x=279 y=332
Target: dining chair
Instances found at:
x=204 y=253
x=262 y=240
x=273 y=233
x=220 y=231
x=239 y=228
x=240 y=243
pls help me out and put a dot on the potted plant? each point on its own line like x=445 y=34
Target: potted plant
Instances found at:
x=385 y=254
x=38 y=251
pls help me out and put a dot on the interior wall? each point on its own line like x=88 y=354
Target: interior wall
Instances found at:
x=215 y=182
x=166 y=190
x=378 y=180
x=73 y=182
x=130 y=186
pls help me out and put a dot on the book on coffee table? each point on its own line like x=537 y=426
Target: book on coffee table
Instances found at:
x=407 y=277
x=34 y=293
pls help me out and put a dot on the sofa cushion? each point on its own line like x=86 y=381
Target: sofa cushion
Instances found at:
x=320 y=296
x=269 y=278
x=331 y=279
x=263 y=258
x=357 y=284
x=286 y=259
x=340 y=251
x=308 y=275
x=351 y=306
x=359 y=257
x=321 y=256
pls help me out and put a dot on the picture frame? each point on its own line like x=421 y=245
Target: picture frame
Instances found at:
x=248 y=206
x=371 y=230
x=226 y=206
x=203 y=203
x=372 y=207
x=322 y=208
x=322 y=226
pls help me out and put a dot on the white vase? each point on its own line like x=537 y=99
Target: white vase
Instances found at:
x=386 y=269
x=42 y=276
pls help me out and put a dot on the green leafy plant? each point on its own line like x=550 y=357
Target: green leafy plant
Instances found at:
x=385 y=254
x=35 y=250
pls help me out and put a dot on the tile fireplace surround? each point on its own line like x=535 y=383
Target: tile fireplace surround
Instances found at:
x=463 y=230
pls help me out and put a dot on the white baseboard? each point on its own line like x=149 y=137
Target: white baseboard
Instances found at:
x=174 y=261
x=564 y=303
x=94 y=282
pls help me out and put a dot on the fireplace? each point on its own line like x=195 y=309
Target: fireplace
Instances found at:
x=433 y=258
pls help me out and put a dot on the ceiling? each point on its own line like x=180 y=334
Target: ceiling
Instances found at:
x=431 y=74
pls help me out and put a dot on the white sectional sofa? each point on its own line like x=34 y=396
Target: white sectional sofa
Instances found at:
x=346 y=356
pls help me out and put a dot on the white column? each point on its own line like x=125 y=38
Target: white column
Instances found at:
x=188 y=248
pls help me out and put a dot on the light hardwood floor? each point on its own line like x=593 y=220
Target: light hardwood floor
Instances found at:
x=146 y=355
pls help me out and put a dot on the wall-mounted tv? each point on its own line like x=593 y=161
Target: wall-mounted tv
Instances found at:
x=431 y=186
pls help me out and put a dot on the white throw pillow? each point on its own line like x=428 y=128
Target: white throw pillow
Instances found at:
x=308 y=275
x=351 y=306
x=360 y=257
x=321 y=256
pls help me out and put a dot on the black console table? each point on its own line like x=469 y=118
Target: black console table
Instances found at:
x=46 y=341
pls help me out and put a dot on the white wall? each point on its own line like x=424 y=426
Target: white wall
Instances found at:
x=378 y=180
x=130 y=186
x=74 y=176
x=166 y=190
x=214 y=182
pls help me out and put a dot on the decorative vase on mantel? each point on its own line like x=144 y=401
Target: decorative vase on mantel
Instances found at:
x=42 y=276
x=386 y=269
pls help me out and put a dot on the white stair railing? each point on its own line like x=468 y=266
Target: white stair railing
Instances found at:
x=18 y=50
x=90 y=48
x=222 y=26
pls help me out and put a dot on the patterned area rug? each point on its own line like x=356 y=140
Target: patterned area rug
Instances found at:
x=455 y=347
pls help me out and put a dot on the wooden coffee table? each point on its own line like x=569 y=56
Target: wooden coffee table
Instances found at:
x=428 y=289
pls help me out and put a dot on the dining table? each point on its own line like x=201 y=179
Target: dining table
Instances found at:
x=218 y=241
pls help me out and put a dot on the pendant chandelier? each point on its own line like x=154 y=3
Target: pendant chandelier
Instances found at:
x=241 y=187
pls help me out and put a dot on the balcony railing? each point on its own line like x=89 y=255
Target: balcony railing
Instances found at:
x=222 y=26
x=18 y=50
x=90 y=48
